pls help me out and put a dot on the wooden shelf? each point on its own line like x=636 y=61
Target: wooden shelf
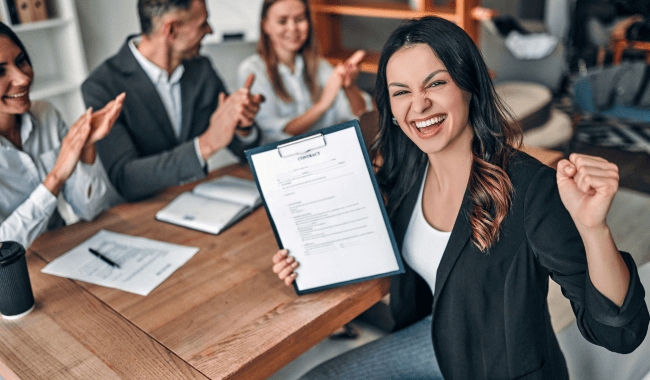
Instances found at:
x=41 y=25
x=383 y=10
x=327 y=21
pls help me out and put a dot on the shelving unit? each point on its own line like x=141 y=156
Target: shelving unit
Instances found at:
x=56 y=51
x=327 y=13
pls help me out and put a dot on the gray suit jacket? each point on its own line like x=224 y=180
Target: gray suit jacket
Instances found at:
x=141 y=154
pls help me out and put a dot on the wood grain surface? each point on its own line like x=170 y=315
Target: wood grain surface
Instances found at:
x=70 y=334
x=224 y=312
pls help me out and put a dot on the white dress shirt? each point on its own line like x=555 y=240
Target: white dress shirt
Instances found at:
x=26 y=205
x=275 y=114
x=424 y=245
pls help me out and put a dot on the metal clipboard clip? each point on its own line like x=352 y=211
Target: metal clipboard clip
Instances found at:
x=301 y=146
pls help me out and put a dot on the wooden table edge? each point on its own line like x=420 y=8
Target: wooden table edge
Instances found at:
x=99 y=339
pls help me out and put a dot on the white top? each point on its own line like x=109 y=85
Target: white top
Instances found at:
x=26 y=205
x=274 y=113
x=424 y=245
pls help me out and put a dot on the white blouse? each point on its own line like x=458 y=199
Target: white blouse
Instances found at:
x=275 y=114
x=424 y=245
x=26 y=205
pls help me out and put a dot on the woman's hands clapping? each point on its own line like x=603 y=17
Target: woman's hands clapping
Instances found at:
x=284 y=266
x=102 y=121
x=79 y=142
x=342 y=77
x=352 y=68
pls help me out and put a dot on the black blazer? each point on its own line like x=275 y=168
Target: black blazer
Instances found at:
x=141 y=154
x=490 y=315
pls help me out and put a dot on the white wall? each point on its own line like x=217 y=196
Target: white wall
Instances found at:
x=104 y=25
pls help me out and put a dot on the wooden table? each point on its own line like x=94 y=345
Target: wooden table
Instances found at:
x=222 y=315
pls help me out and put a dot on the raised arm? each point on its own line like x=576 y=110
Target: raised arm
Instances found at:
x=352 y=92
x=87 y=188
x=302 y=123
x=81 y=183
x=69 y=153
x=587 y=186
x=342 y=78
x=555 y=237
x=30 y=218
x=278 y=120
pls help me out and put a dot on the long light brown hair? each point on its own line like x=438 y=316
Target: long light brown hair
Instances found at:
x=310 y=52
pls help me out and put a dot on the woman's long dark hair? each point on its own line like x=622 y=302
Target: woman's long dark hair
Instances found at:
x=6 y=31
x=310 y=54
x=494 y=137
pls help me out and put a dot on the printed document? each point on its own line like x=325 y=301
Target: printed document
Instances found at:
x=143 y=263
x=326 y=211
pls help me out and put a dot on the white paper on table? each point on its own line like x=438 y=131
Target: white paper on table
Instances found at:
x=326 y=211
x=144 y=263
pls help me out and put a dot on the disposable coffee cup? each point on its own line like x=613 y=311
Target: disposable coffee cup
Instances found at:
x=16 y=297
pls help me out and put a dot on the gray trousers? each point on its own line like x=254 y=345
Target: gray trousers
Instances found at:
x=405 y=354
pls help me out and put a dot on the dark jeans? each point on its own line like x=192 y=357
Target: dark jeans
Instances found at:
x=406 y=354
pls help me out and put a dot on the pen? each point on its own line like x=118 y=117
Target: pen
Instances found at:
x=104 y=258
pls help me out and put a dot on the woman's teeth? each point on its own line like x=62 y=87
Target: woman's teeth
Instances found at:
x=16 y=95
x=426 y=123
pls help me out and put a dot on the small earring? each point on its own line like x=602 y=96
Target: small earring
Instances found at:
x=395 y=121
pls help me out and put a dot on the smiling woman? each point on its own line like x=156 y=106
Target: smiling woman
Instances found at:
x=17 y=75
x=481 y=227
x=39 y=156
x=429 y=106
x=303 y=92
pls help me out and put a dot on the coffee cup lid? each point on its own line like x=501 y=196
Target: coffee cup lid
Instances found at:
x=10 y=252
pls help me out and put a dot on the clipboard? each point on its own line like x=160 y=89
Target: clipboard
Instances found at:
x=322 y=200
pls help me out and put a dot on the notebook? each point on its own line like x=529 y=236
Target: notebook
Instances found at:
x=212 y=206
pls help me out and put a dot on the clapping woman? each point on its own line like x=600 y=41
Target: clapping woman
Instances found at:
x=302 y=91
x=481 y=227
x=40 y=157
